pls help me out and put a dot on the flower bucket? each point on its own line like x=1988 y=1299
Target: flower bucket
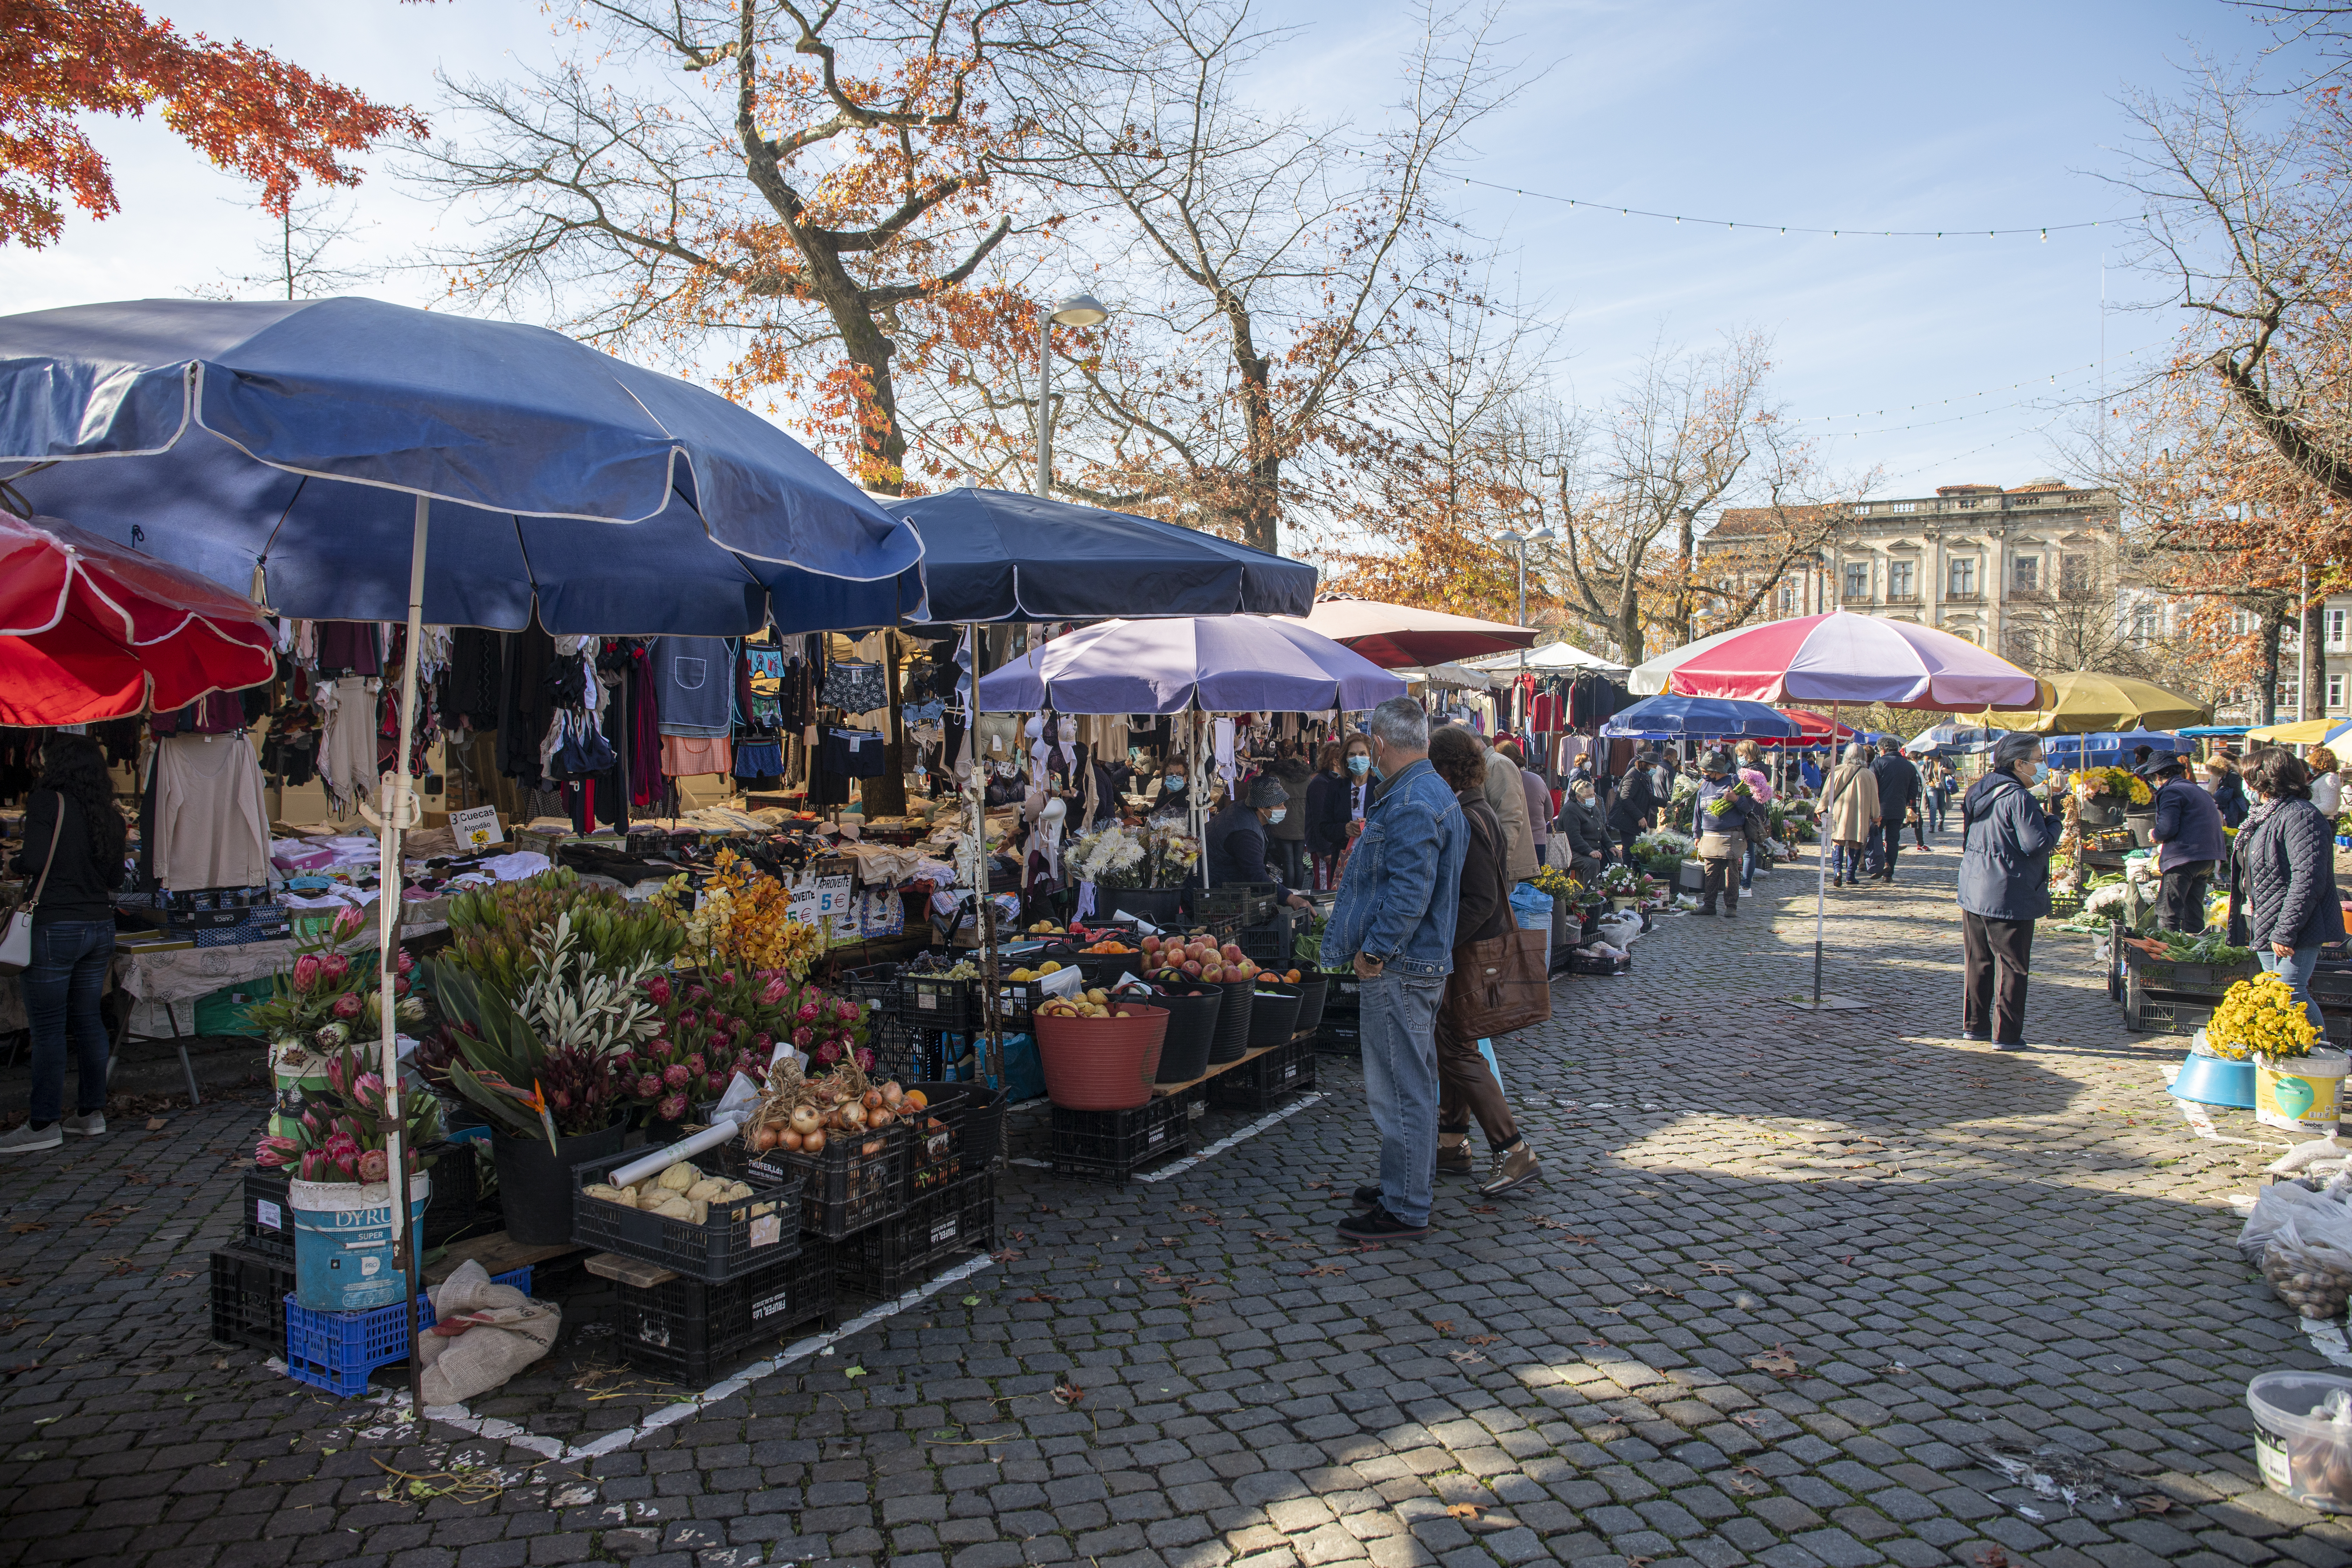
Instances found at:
x=298 y=1075
x=1101 y=1064
x=2302 y=1094
x=535 y=1186
x=342 y=1242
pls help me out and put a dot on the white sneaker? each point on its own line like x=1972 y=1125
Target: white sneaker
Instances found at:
x=91 y=1124
x=25 y=1140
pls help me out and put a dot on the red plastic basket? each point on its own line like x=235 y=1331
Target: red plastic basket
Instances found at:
x=1101 y=1064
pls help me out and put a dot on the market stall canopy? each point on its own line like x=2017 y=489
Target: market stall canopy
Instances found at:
x=2085 y=701
x=1945 y=738
x=1000 y=555
x=1396 y=635
x=1667 y=717
x=1813 y=729
x=1552 y=658
x=1839 y=657
x=1452 y=674
x=2210 y=731
x=1223 y=664
x=89 y=631
x=2303 y=732
x=284 y=446
x=2110 y=749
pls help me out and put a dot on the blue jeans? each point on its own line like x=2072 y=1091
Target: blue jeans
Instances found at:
x=1748 y=869
x=1399 y=1039
x=1845 y=860
x=61 y=993
x=2296 y=972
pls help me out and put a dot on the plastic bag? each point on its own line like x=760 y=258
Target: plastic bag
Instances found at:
x=2274 y=1206
x=2311 y=1274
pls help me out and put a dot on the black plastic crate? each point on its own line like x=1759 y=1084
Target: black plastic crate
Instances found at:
x=269 y=1218
x=1345 y=993
x=901 y=1253
x=1016 y=1000
x=933 y=1001
x=875 y=986
x=976 y=1112
x=845 y=1188
x=1597 y=963
x=736 y=1238
x=250 y=1288
x=1112 y=1145
x=455 y=1207
x=1267 y=944
x=1264 y=1080
x=1339 y=1034
x=694 y=1332
x=934 y=1153
x=1246 y=904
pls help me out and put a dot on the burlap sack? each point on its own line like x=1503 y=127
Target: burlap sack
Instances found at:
x=483 y=1335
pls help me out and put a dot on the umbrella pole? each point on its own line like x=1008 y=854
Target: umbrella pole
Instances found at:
x=992 y=1051
x=1821 y=882
x=389 y=905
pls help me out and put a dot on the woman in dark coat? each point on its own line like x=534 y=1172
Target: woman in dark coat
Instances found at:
x=1335 y=800
x=2005 y=843
x=1636 y=805
x=2228 y=790
x=1466 y=1085
x=2283 y=872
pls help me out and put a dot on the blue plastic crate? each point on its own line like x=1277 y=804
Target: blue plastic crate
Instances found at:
x=336 y=1350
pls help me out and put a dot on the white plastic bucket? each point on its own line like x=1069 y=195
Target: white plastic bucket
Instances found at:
x=2303 y=1094
x=2302 y=1457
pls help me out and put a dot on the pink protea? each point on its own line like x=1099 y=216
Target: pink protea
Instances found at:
x=346 y=1005
x=696 y=1065
x=713 y=1084
x=275 y=1149
x=844 y=1009
x=649 y=1087
x=828 y=1053
x=763 y=1044
x=348 y=923
x=369 y=1090
x=400 y=986
x=672 y=1108
x=864 y=1059
x=808 y=1012
x=656 y=1048
x=306 y=972
x=340 y=1145
x=374 y=1164
x=675 y=1076
x=698 y=995
x=688 y=1019
x=316 y=1166
x=333 y=967
x=728 y=978
x=804 y=1036
x=776 y=991
x=404 y=963
x=335 y=1074
x=657 y=989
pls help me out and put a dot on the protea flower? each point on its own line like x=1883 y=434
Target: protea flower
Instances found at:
x=275 y=1149
x=712 y=1084
x=406 y=962
x=698 y=995
x=369 y=1090
x=348 y=923
x=316 y=1166
x=776 y=991
x=675 y=1076
x=844 y=1009
x=728 y=978
x=807 y=1014
x=649 y=1087
x=346 y=1005
x=333 y=967
x=696 y=1065
x=374 y=1164
x=657 y=990
x=306 y=972
x=804 y=1036
x=688 y=1019
x=864 y=1059
x=763 y=1044
x=672 y=1108
x=330 y=1036
x=828 y=1053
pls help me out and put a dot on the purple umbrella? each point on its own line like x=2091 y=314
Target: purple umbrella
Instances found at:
x=1222 y=663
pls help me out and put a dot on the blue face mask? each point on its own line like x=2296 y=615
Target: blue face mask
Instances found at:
x=1277 y=815
x=1172 y=783
x=1358 y=764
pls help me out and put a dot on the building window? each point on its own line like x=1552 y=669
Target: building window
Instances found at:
x=2075 y=573
x=2287 y=692
x=1964 y=579
x=2335 y=694
x=2025 y=574
x=2334 y=624
x=1862 y=511
x=1898 y=579
x=2025 y=500
x=1967 y=503
x=2021 y=646
x=1907 y=506
x=1788 y=598
x=1857 y=579
x=2144 y=629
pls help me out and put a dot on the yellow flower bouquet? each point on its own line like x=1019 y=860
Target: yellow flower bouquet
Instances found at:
x=2261 y=1017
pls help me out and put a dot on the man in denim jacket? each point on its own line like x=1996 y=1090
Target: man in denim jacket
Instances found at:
x=1394 y=922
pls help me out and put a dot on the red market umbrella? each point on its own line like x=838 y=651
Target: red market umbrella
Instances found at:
x=1813 y=729
x=1397 y=636
x=90 y=630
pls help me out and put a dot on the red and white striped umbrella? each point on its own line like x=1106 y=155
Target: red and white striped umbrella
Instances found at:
x=1841 y=658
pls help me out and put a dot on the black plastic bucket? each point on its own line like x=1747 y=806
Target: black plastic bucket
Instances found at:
x=1232 y=1037
x=1192 y=1031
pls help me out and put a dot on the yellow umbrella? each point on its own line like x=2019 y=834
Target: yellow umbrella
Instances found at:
x=2301 y=732
x=2083 y=702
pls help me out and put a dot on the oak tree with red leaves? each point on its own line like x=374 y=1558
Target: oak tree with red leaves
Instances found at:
x=250 y=112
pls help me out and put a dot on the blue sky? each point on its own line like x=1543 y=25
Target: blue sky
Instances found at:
x=1864 y=115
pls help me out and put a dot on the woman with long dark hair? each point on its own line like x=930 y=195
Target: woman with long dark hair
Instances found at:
x=73 y=830
x=2283 y=876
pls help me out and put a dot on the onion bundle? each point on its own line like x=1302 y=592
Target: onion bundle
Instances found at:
x=799 y=1115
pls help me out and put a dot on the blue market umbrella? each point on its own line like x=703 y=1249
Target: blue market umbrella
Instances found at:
x=1669 y=716
x=295 y=440
x=293 y=422
x=999 y=555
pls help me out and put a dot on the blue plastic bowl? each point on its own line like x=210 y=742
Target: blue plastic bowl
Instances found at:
x=2209 y=1081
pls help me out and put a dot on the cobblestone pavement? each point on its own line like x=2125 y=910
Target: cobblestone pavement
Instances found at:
x=1794 y=1286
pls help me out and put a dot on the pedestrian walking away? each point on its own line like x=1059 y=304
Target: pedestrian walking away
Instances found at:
x=1629 y=816
x=1853 y=813
x=1538 y=800
x=1393 y=925
x=74 y=838
x=1467 y=1087
x=2228 y=790
x=2005 y=843
x=1898 y=790
x=2189 y=843
x=2282 y=877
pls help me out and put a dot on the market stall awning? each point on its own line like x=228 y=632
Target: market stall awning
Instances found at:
x=1669 y=717
x=89 y=631
x=1225 y=663
x=2303 y=732
x=1837 y=657
x=1550 y=659
x=1396 y=635
x=282 y=447
x=1000 y=555
x=2085 y=701
x=1813 y=729
x=1459 y=677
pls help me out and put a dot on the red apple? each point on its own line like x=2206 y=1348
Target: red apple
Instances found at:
x=1233 y=952
x=1192 y=968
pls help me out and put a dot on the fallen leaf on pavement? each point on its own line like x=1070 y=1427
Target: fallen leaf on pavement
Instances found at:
x=26 y=1226
x=1461 y=1511
x=156 y=1125
x=1717 y=1268
x=1484 y=1208
x=1007 y=1256
x=1325 y=1268
x=1750 y=1418
x=1040 y=1296
x=2155 y=1502
x=1993 y=1557
x=1775 y=1361
x=1068 y=1393
x=1480 y=1338
x=1443 y=1325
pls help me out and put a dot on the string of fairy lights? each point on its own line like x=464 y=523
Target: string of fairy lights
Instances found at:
x=2041 y=231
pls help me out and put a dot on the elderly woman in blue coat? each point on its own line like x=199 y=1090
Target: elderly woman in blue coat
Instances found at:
x=2005 y=843
x=2283 y=867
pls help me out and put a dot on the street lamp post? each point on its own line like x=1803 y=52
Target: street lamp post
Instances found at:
x=1078 y=310
x=1519 y=543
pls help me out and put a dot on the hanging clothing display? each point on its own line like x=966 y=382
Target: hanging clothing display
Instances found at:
x=347 y=740
x=694 y=685
x=685 y=756
x=211 y=827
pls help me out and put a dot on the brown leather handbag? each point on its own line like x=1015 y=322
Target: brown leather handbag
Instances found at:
x=1498 y=982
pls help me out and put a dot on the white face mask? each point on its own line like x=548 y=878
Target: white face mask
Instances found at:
x=1277 y=815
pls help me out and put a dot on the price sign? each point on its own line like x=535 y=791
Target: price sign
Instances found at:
x=477 y=828
x=823 y=899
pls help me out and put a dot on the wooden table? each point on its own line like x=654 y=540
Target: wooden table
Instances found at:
x=495 y=1254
